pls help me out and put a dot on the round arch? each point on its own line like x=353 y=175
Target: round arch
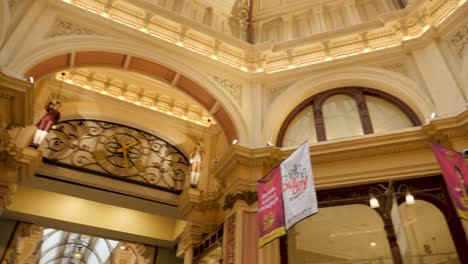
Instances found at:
x=54 y=55
x=392 y=83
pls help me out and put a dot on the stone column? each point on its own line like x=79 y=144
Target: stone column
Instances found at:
x=17 y=161
x=439 y=80
x=201 y=211
x=188 y=255
x=239 y=174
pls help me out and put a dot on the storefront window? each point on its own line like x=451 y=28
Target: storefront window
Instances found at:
x=429 y=239
x=341 y=234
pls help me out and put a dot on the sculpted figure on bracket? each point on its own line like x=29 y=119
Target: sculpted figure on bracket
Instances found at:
x=46 y=123
x=196 y=158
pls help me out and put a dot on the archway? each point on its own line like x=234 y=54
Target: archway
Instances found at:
x=142 y=66
x=392 y=83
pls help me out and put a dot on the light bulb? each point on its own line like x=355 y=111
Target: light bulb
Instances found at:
x=409 y=198
x=374 y=203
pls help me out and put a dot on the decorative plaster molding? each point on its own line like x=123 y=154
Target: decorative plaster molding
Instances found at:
x=398 y=67
x=248 y=196
x=414 y=140
x=141 y=95
x=230 y=240
x=66 y=27
x=459 y=40
x=392 y=30
x=232 y=87
x=274 y=92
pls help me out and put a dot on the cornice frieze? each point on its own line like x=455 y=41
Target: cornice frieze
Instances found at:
x=365 y=147
x=403 y=28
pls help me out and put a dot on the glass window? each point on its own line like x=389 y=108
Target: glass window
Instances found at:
x=302 y=128
x=341 y=117
x=342 y=234
x=385 y=116
x=428 y=235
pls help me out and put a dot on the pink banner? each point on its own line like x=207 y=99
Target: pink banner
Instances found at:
x=455 y=174
x=270 y=207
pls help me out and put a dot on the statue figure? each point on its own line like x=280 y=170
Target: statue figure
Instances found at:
x=46 y=123
x=196 y=158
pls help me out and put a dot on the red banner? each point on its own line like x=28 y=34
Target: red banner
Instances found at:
x=270 y=207
x=455 y=174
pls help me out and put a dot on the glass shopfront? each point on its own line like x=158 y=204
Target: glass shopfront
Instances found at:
x=346 y=230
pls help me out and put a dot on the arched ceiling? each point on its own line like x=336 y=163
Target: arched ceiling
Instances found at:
x=135 y=68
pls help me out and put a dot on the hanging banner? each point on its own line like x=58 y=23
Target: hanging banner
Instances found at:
x=299 y=196
x=455 y=173
x=270 y=204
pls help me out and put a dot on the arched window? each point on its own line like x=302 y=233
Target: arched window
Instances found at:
x=341 y=117
x=345 y=112
x=302 y=128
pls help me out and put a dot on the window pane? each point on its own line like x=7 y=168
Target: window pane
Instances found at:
x=341 y=117
x=342 y=234
x=385 y=116
x=302 y=128
x=429 y=242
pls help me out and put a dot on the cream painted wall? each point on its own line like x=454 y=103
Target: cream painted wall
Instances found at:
x=81 y=212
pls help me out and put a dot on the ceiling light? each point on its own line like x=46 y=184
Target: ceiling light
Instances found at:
x=122 y=247
x=374 y=203
x=234 y=141
x=373 y=244
x=409 y=198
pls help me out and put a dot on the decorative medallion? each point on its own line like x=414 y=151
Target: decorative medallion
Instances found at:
x=459 y=40
x=276 y=91
x=397 y=67
x=232 y=87
x=65 y=27
x=119 y=151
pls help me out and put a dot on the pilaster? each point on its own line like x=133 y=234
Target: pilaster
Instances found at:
x=440 y=80
x=17 y=161
x=202 y=213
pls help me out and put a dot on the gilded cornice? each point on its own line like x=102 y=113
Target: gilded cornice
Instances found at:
x=406 y=28
x=239 y=155
x=359 y=148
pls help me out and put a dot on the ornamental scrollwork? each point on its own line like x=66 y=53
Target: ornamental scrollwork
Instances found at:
x=119 y=151
x=248 y=196
x=65 y=27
